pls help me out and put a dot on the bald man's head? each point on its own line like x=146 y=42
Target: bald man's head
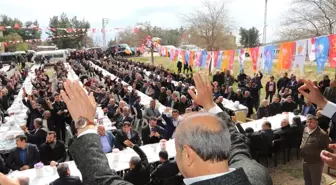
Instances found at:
x=101 y=130
x=201 y=138
x=206 y=134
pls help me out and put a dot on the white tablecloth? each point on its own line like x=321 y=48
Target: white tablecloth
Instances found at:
x=274 y=120
x=117 y=161
x=145 y=100
x=18 y=115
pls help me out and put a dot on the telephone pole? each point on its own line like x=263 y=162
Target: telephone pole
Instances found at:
x=265 y=23
x=105 y=21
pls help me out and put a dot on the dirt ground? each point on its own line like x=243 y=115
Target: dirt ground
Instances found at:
x=291 y=174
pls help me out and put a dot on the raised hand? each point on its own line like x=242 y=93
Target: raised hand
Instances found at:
x=203 y=96
x=79 y=104
x=314 y=94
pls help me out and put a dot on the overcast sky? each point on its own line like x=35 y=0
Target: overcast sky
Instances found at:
x=163 y=13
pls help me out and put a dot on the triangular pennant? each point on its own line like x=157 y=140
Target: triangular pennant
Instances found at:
x=2 y=28
x=17 y=26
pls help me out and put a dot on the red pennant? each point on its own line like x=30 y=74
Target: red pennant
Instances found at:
x=5 y=44
x=53 y=29
x=102 y=30
x=16 y=26
x=136 y=30
x=93 y=30
x=2 y=28
x=30 y=41
x=78 y=29
x=332 y=50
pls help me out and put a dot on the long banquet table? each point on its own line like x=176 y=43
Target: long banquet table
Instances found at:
x=18 y=115
x=118 y=161
x=274 y=120
x=145 y=100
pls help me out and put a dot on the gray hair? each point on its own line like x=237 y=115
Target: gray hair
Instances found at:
x=177 y=94
x=136 y=161
x=38 y=121
x=213 y=145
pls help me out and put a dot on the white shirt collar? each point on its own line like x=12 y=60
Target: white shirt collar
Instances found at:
x=189 y=181
x=311 y=131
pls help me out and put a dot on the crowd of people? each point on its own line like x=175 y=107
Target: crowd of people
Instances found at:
x=224 y=157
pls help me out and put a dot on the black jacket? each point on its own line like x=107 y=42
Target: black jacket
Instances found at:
x=121 y=136
x=140 y=175
x=14 y=161
x=3 y=168
x=37 y=137
x=285 y=133
x=288 y=107
x=57 y=154
x=263 y=112
x=68 y=180
x=150 y=140
x=165 y=170
x=275 y=108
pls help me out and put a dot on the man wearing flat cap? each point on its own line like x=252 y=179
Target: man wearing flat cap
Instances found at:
x=314 y=140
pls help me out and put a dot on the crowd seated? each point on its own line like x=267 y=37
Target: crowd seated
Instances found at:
x=46 y=135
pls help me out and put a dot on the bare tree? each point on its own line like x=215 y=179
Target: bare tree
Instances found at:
x=147 y=27
x=308 y=18
x=211 y=24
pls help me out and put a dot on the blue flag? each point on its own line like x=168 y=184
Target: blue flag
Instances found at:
x=268 y=58
x=321 y=52
x=219 y=60
x=186 y=56
x=203 y=59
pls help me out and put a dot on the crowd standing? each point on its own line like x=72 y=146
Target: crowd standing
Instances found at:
x=225 y=157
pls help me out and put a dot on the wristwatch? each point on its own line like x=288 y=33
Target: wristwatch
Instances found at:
x=81 y=122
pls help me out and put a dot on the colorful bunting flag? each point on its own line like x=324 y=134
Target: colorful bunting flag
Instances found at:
x=332 y=50
x=300 y=55
x=321 y=52
x=254 y=53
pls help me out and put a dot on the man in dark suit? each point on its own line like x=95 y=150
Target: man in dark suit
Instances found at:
x=152 y=133
x=125 y=117
x=48 y=121
x=275 y=107
x=230 y=95
x=64 y=176
x=166 y=169
x=24 y=155
x=308 y=108
x=59 y=113
x=285 y=132
x=289 y=105
x=171 y=123
x=38 y=135
x=127 y=133
x=53 y=150
x=139 y=173
x=138 y=107
x=219 y=102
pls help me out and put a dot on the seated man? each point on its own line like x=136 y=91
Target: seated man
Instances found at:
x=126 y=133
x=289 y=105
x=139 y=173
x=38 y=135
x=166 y=169
x=24 y=155
x=106 y=138
x=152 y=111
x=64 y=176
x=125 y=117
x=275 y=107
x=53 y=150
x=152 y=133
x=308 y=108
